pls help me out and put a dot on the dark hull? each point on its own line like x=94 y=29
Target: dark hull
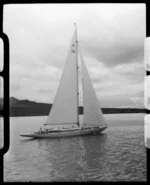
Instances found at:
x=70 y=133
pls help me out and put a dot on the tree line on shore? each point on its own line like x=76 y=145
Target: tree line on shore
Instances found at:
x=31 y=108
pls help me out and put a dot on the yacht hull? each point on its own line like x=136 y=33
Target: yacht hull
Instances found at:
x=70 y=133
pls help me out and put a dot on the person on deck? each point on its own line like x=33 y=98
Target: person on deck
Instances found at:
x=40 y=129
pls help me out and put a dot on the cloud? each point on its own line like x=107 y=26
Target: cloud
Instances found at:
x=139 y=102
x=147 y=92
x=147 y=53
x=35 y=82
x=112 y=47
x=115 y=39
x=147 y=67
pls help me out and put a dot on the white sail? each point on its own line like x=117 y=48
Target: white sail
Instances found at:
x=65 y=105
x=92 y=112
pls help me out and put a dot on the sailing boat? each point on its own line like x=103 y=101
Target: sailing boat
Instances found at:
x=63 y=119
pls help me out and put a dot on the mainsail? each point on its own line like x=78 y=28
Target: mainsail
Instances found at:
x=63 y=119
x=92 y=112
x=65 y=106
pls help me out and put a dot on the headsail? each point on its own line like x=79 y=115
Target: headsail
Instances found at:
x=65 y=105
x=93 y=115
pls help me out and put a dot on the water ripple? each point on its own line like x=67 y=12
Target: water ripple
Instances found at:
x=116 y=155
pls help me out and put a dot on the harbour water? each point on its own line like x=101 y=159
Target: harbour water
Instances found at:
x=117 y=154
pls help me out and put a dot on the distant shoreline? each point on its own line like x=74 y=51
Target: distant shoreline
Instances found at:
x=24 y=112
x=80 y=114
x=24 y=108
x=15 y=116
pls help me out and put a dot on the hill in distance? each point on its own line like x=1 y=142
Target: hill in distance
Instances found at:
x=31 y=108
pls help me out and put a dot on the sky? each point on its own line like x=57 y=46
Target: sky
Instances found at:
x=147 y=54
x=111 y=37
x=147 y=92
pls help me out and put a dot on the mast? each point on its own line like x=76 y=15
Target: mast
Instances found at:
x=77 y=71
x=64 y=110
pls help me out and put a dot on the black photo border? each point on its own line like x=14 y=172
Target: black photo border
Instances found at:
x=5 y=75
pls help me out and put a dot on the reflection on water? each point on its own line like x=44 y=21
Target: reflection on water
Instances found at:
x=117 y=154
x=74 y=157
